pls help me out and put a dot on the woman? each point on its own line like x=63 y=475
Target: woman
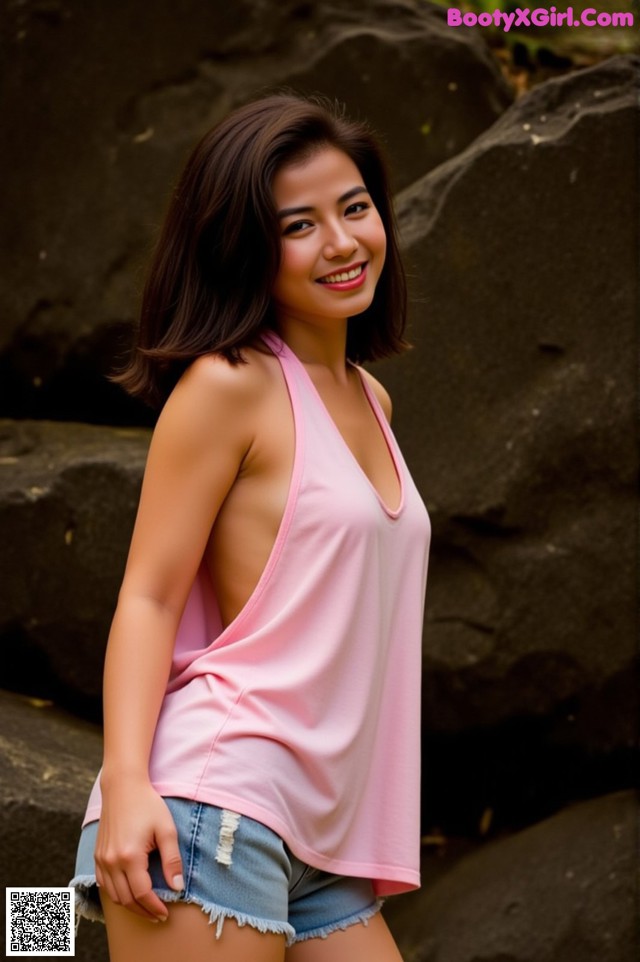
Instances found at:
x=261 y=687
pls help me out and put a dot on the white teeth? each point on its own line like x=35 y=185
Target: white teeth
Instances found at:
x=340 y=278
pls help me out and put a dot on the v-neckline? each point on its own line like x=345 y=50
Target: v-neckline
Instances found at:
x=378 y=413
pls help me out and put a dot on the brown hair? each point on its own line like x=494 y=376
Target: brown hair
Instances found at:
x=209 y=284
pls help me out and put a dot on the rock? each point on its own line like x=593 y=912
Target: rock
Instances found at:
x=564 y=889
x=517 y=408
x=105 y=102
x=516 y=411
x=428 y=89
x=48 y=762
x=68 y=498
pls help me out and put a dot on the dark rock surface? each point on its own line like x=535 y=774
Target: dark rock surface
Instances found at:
x=101 y=132
x=517 y=413
x=565 y=890
x=48 y=762
x=68 y=496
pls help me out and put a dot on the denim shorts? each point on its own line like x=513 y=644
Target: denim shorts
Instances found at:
x=235 y=867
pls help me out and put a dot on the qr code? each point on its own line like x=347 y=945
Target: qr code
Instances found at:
x=40 y=921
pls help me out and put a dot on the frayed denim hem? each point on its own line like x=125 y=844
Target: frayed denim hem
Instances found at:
x=218 y=913
x=86 y=907
x=325 y=931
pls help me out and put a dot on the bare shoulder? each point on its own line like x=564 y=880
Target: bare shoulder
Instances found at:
x=214 y=398
x=380 y=392
x=212 y=376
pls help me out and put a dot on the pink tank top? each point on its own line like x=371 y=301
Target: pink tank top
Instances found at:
x=304 y=712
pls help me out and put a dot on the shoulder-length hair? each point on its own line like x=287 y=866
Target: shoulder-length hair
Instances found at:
x=209 y=283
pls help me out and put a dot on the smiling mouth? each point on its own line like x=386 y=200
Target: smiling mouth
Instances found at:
x=340 y=277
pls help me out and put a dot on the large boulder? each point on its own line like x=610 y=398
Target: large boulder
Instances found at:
x=104 y=101
x=517 y=413
x=48 y=762
x=564 y=889
x=68 y=497
x=428 y=89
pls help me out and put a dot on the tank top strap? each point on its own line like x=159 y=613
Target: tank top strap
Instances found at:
x=274 y=341
x=309 y=397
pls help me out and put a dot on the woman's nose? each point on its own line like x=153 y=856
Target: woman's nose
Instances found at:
x=340 y=242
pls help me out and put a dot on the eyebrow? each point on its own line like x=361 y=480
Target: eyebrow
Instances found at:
x=288 y=211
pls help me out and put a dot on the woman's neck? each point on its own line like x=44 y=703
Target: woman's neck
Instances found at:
x=316 y=345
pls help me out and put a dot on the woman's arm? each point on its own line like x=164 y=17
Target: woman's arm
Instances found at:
x=196 y=453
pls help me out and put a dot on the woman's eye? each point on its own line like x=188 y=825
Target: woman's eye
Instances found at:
x=296 y=226
x=361 y=204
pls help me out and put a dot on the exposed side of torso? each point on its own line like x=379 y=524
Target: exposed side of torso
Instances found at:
x=247 y=524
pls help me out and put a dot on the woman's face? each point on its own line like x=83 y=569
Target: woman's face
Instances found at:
x=329 y=228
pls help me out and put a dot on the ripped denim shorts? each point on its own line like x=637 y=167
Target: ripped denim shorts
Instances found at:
x=235 y=867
